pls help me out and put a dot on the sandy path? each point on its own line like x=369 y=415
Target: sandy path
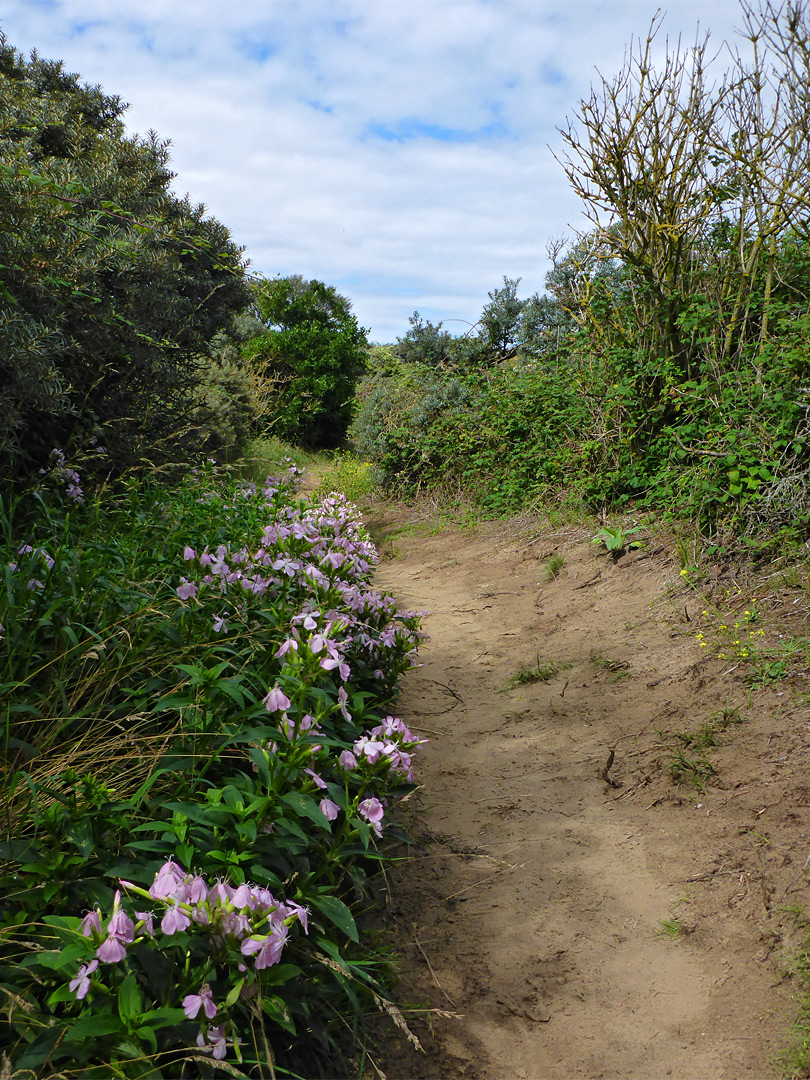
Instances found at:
x=532 y=905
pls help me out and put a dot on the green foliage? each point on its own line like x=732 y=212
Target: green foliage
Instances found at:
x=313 y=351
x=616 y=539
x=506 y=437
x=540 y=671
x=163 y=698
x=110 y=286
x=666 y=365
x=352 y=477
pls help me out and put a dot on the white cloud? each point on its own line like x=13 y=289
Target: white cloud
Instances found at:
x=394 y=148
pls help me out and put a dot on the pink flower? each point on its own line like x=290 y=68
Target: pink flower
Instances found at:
x=276 y=700
x=343 y=697
x=329 y=809
x=147 y=919
x=120 y=925
x=189 y=553
x=220 y=626
x=174 y=920
x=90 y=924
x=81 y=984
x=347 y=761
x=319 y=783
x=168 y=881
x=242 y=897
x=267 y=949
x=186 y=590
x=110 y=951
x=216 y=1043
x=372 y=810
x=370 y=748
x=192 y=1003
x=220 y=893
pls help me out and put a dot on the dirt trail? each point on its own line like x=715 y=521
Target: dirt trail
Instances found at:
x=531 y=908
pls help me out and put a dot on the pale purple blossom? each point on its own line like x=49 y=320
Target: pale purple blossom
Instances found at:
x=91 y=923
x=276 y=700
x=318 y=781
x=187 y=590
x=175 y=920
x=192 y=1003
x=214 y=1042
x=347 y=761
x=290 y=643
x=369 y=748
x=111 y=951
x=146 y=919
x=81 y=983
x=267 y=949
x=168 y=880
x=329 y=809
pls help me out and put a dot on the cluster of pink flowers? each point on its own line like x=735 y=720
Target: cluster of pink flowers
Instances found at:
x=247 y=914
x=391 y=741
x=60 y=471
x=321 y=560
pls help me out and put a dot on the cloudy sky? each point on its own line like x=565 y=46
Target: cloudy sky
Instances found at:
x=401 y=150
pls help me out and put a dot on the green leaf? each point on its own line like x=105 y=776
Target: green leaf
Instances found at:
x=277 y=1010
x=164 y=1017
x=305 y=806
x=92 y=1025
x=337 y=912
x=129 y=999
x=233 y=994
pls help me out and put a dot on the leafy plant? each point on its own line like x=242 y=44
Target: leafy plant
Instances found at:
x=312 y=349
x=616 y=539
x=199 y=763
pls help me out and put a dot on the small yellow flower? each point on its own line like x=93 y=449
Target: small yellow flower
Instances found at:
x=684 y=572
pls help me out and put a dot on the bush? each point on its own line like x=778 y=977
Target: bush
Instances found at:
x=111 y=287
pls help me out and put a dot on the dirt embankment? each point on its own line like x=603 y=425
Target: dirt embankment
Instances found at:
x=569 y=910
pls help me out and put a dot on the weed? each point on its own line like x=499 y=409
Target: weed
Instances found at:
x=690 y=770
x=615 y=539
x=620 y=668
x=795 y=1057
x=540 y=672
x=671 y=928
x=554 y=565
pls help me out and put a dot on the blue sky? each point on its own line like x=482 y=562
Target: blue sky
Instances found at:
x=400 y=150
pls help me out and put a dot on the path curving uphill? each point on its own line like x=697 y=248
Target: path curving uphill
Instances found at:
x=568 y=910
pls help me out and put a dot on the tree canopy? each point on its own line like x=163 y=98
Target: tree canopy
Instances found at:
x=313 y=350
x=110 y=285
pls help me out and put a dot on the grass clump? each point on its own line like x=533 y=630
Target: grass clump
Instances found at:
x=554 y=566
x=540 y=671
